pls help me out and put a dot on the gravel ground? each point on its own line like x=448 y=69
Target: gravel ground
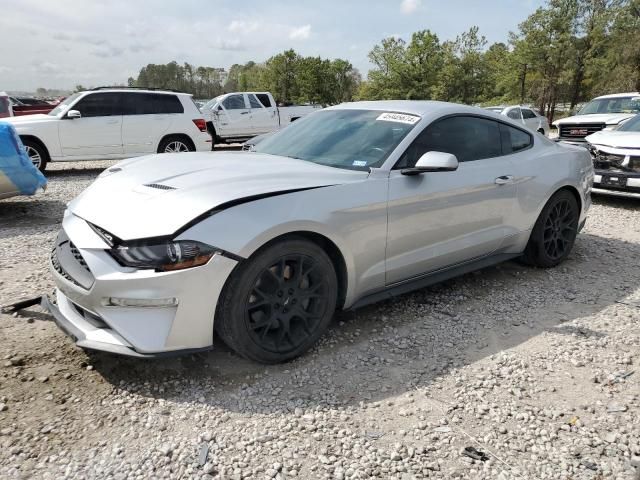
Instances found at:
x=536 y=369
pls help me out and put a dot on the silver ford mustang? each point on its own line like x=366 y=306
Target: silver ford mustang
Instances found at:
x=350 y=205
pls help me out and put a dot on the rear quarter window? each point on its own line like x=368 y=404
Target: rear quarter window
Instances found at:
x=514 y=140
x=264 y=99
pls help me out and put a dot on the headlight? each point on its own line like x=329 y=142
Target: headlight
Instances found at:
x=164 y=256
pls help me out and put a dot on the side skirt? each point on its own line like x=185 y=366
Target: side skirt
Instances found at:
x=432 y=278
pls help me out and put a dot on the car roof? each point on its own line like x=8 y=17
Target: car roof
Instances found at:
x=414 y=107
x=136 y=90
x=619 y=95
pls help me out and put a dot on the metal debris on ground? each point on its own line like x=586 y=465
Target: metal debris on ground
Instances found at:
x=475 y=454
x=203 y=454
x=21 y=305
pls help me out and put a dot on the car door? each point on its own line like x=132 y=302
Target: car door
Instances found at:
x=234 y=117
x=98 y=132
x=263 y=119
x=147 y=118
x=437 y=220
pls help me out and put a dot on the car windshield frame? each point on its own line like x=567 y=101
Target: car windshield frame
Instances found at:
x=631 y=125
x=594 y=107
x=67 y=102
x=211 y=103
x=349 y=139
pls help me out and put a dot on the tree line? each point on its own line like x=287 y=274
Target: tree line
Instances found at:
x=291 y=78
x=564 y=53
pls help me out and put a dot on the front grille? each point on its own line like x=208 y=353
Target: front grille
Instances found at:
x=76 y=254
x=578 y=131
x=67 y=260
x=58 y=268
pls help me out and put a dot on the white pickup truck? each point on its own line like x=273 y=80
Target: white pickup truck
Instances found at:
x=238 y=116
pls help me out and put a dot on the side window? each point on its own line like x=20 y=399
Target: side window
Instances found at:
x=151 y=103
x=234 y=102
x=468 y=138
x=514 y=114
x=527 y=114
x=100 y=105
x=514 y=140
x=264 y=99
x=253 y=102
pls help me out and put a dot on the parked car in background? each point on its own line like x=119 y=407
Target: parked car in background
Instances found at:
x=345 y=207
x=29 y=106
x=113 y=123
x=239 y=116
x=18 y=175
x=616 y=158
x=525 y=115
x=6 y=109
x=602 y=113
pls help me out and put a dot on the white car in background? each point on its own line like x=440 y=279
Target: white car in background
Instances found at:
x=602 y=113
x=113 y=123
x=525 y=115
x=239 y=116
x=616 y=158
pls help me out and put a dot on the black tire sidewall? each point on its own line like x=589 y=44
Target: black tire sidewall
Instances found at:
x=535 y=252
x=230 y=314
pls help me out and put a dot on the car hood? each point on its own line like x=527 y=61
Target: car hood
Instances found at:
x=615 y=139
x=608 y=118
x=157 y=195
x=23 y=119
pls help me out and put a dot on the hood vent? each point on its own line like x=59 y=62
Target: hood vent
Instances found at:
x=159 y=186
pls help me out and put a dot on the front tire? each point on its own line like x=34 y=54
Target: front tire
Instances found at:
x=279 y=302
x=555 y=231
x=37 y=154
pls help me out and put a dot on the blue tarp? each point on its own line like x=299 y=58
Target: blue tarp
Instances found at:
x=15 y=165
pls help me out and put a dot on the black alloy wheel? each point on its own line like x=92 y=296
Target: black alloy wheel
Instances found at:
x=277 y=303
x=555 y=231
x=287 y=303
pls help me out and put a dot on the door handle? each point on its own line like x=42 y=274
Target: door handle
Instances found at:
x=504 y=179
x=111 y=122
x=244 y=113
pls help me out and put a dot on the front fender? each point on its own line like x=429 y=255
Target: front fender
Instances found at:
x=352 y=216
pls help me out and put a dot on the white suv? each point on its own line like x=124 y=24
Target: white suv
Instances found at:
x=113 y=123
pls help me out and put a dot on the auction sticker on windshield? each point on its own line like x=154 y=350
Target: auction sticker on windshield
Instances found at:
x=399 y=117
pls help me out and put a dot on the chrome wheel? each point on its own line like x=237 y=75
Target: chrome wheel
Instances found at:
x=176 y=146
x=34 y=155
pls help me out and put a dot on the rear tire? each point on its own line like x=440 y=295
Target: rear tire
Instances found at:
x=278 y=303
x=555 y=231
x=176 y=144
x=37 y=154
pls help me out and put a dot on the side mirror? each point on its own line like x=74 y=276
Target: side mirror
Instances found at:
x=74 y=114
x=433 y=162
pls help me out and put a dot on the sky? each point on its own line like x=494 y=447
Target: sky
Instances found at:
x=62 y=43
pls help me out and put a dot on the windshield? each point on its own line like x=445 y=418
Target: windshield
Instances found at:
x=209 y=105
x=631 y=125
x=62 y=106
x=612 y=105
x=350 y=139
